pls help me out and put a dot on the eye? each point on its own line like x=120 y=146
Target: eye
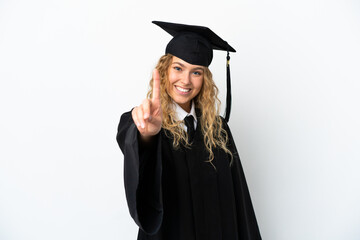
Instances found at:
x=177 y=68
x=197 y=73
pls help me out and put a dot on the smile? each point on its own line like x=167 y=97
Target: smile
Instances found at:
x=184 y=90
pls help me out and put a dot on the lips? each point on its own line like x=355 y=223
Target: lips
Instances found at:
x=183 y=90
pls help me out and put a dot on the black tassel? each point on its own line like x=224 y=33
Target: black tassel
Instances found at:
x=228 y=88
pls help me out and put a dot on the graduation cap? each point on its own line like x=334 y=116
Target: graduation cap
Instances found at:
x=195 y=44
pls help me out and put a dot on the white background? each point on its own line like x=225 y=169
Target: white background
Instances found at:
x=69 y=69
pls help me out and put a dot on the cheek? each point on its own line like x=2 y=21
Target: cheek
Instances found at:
x=198 y=83
x=172 y=77
x=169 y=84
x=169 y=81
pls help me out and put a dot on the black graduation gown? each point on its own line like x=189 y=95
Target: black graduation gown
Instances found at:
x=177 y=195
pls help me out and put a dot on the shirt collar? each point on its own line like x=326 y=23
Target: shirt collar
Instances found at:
x=181 y=113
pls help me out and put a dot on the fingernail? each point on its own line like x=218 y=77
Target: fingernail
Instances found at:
x=146 y=115
x=142 y=125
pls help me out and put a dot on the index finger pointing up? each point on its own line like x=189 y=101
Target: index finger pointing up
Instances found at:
x=156 y=85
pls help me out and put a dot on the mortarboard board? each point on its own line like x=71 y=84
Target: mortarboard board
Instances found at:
x=195 y=44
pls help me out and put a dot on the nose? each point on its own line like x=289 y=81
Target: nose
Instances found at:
x=186 y=79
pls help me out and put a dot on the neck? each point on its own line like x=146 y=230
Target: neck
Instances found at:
x=186 y=107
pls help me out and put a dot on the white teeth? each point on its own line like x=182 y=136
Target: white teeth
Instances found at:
x=182 y=89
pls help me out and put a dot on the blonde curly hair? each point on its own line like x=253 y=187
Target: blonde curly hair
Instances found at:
x=206 y=101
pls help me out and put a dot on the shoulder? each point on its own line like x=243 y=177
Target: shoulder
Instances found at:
x=125 y=119
x=224 y=124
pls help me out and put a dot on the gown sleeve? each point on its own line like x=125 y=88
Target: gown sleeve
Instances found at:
x=246 y=219
x=142 y=175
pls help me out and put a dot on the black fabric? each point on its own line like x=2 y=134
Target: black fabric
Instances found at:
x=174 y=194
x=193 y=44
x=142 y=176
x=228 y=89
x=198 y=49
x=189 y=122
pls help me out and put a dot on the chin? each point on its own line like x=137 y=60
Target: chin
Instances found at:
x=183 y=102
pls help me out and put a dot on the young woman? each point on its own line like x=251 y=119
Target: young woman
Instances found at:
x=183 y=176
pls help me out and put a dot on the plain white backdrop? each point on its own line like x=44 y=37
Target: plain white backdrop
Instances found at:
x=69 y=69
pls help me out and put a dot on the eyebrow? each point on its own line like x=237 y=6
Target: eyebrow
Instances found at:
x=182 y=65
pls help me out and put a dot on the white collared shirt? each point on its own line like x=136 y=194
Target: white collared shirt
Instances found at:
x=181 y=114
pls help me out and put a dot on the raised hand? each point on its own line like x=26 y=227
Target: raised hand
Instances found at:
x=148 y=116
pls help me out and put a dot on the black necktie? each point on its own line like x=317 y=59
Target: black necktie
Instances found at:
x=189 y=122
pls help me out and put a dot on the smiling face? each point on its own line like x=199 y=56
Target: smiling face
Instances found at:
x=185 y=82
